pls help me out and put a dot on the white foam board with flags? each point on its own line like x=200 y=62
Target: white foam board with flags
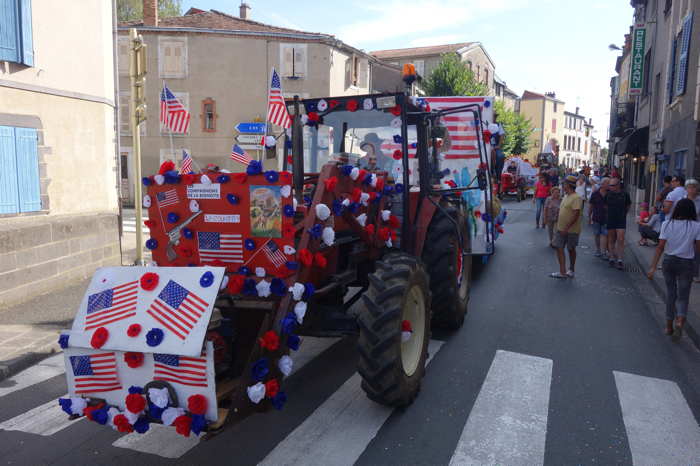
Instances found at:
x=178 y=308
x=104 y=374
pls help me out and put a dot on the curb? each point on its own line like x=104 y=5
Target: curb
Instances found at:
x=660 y=288
x=13 y=366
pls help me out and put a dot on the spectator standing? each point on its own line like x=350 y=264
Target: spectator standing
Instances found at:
x=554 y=176
x=682 y=236
x=568 y=229
x=551 y=211
x=650 y=228
x=677 y=193
x=597 y=217
x=661 y=197
x=617 y=203
x=692 y=187
x=542 y=188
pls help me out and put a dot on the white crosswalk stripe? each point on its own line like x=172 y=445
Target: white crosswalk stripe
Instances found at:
x=46 y=419
x=50 y=367
x=508 y=423
x=661 y=428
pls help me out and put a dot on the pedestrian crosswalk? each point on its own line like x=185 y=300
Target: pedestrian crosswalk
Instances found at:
x=507 y=423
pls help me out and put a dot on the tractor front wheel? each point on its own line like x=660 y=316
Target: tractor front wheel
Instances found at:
x=394 y=330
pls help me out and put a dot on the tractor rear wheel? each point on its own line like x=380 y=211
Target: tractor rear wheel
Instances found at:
x=449 y=270
x=391 y=367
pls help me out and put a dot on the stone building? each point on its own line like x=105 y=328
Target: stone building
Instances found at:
x=58 y=194
x=574 y=150
x=546 y=113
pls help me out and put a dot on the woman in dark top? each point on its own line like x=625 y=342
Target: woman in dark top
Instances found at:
x=617 y=203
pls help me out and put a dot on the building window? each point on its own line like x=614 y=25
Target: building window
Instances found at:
x=173 y=154
x=184 y=98
x=578 y=145
x=19 y=190
x=16 y=44
x=124 y=116
x=172 y=57
x=478 y=73
x=420 y=67
x=293 y=60
x=671 y=75
x=647 y=74
x=486 y=77
x=123 y=55
x=356 y=72
x=555 y=107
x=470 y=66
x=208 y=115
x=554 y=125
x=679 y=157
x=684 y=53
x=657 y=95
x=585 y=148
x=667 y=7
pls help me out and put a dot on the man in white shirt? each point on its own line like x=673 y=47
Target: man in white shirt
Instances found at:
x=675 y=195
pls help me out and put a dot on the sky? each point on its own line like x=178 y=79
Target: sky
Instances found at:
x=538 y=45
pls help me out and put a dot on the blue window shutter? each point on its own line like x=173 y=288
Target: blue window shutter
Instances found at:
x=9 y=199
x=684 y=53
x=26 y=28
x=671 y=77
x=9 y=31
x=27 y=169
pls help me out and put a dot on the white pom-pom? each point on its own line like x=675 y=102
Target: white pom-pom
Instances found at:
x=322 y=105
x=270 y=141
x=158 y=396
x=146 y=201
x=256 y=392
x=304 y=119
x=260 y=272
x=263 y=288
x=405 y=336
x=300 y=311
x=354 y=173
x=323 y=212
x=297 y=291
x=295 y=203
x=386 y=214
x=77 y=405
x=111 y=412
x=373 y=180
x=170 y=414
x=389 y=243
x=288 y=250
x=362 y=219
x=328 y=236
x=493 y=128
x=367 y=104
x=285 y=364
x=286 y=190
x=132 y=417
x=204 y=179
x=396 y=122
x=194 y=206
x=159 y=179
x=364 y=198
x=224 y=282
x=346 y=202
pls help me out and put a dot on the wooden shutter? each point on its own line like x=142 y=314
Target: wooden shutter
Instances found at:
x=684 y=53
x=26 y=32
x=300 y=61
x=27 y=169
x=287 y=60
x=348 y=72
x=9 y=201
x=364 y=74
x=670 y=78
x=9 y=40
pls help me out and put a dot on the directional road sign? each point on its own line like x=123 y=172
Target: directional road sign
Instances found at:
x=249 y=138
x=251 y=147
x=251 y=127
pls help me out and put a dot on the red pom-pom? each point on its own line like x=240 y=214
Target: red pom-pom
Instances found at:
x=270 y=340
x=373 y=196
x=88 y=411
x=396 y=110
x=271 y=388
x=122 y=423
x=487 y=136
x=313 y=116
x=135 y=402
x=352 y=105
x=239 y=178
x=150 y=223
x=134 y=330
x=406 y=326
x=379 y=186
x=166 y=166
x=398 y=155
x=197 y=404
x=285 y=177
x=133 y=359
x=305 y=257
x=384 y=233
x=370 y=229
x=331 y=183
x=288 y=231
x=333 y=103
x=290 y=159
x=394 y=222
x=183 y=424
x=362 y=175
x=356 y=193
x=235 y=283
x=184 y=250
x=320 y=260
x=477 y=213
x=187 y=178
x=149 y=281
x=99 y=338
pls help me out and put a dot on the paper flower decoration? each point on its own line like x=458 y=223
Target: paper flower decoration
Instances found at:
x=364 y=199
x=256 y=392
x=250 y=287
x=354 y=173
x=288 y=250
x=291 y=265
x=322 y=105
x=159 y=397
x=249 y=244
x=151 y=243
x=260 y=369
x=323 y=212
x=285 y=191
x=146 y=201
x=263 y=288
x=73 y=405
x=305 y=257
x=333 y=103
x=398 y=155
x=367 y=104
x=260 y=272
x=300 y=311
x=133 y=359
x=395 y=123
x=204 y=179
x=187 y=178
x=142 y=425
x=313 y=117
x=147 y=181
x=254 y=168
x=232 y=199
x=288 y=231
x=398 y=188
x=288 y=324
x=316 y=231
x=183 y=425
x=135 y=403
x=288 y=211
x=297 y=291
x=272 y=386
x=293 y=342
x=487 y=103
x=159 y=179
x=154 y=337
x=223 y=179
x=328 y=236
x=285 y=365
x=362 y=219
x=99 y=337
x=406 y=331
x=309 y=291
x=197 y=404
x=270 y=142
x=346 y=170
x=151 y=224
x=279 y=400
x=149 y=281
x=235 y=284
x=171 y=177
x=272 y=176
x=166 y=166
x=133 y=330
x=370 y=229
x=311 y=106
x=206 y=279
x=63 y=340
x=170 y=414
x=173 y=217
x=278 y=287
x=270 y=340
x=330 y=183
x=352 y=105
x=304 y=119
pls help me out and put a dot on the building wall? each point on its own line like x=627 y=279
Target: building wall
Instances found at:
x=532 y=110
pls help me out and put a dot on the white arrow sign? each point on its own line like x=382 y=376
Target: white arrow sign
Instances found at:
x=249 y=139
x=251 y=147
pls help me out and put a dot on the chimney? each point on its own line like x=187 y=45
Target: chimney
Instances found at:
x=150 y=13
x=244 y=11
x=577 y=109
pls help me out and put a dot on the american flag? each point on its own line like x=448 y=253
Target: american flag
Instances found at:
x=167 y=198
x=239 y=155
x=95 y=373
x=182 y=370
x=178 y=309
x=173 y=114
x=226 y=247
x=186 y=166
x=277 y=110
x=111 y=305
x=273 y=252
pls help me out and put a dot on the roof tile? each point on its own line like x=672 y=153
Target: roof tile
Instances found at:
x=419 y=51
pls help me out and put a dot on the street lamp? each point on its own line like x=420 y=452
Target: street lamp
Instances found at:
x=614 y=47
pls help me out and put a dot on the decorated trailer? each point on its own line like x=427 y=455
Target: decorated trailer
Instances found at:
x=351 y=238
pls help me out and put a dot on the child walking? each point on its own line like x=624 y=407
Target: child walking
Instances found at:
x=551 y=211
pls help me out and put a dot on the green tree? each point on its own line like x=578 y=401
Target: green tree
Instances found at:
x=452 y=77
x=517 y=128
x=132 y=10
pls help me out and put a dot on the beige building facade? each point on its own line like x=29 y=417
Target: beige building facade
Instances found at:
x=575 y=145
x=546 y=113
x=58 y=186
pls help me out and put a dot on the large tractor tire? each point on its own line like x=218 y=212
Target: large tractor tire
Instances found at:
x=449 y=271
x=392 y=369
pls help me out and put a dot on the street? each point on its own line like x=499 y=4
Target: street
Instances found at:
x=544 y=371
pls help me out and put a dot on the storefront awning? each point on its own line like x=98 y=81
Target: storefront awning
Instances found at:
x=635 y=143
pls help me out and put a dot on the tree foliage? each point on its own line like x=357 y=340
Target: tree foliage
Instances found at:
x=452 y=77
x=518 y=130
x=132 y=10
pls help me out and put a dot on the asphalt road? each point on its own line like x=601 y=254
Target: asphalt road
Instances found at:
x=543 y=372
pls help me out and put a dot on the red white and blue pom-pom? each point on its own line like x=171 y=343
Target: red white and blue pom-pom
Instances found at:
x=406 y=331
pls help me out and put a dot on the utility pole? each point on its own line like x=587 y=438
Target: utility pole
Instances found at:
x=137 y=113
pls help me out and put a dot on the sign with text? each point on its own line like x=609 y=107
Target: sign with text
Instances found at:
x=637 y=62
x=251 y=127
x=249 y=139
x=222 y=218
x=204 y=191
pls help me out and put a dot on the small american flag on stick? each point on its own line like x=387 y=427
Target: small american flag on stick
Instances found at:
x=182 y=370
x=95 y=373
x=167 y=198
x=111 y=305
x=173 y=114
x=274 y=254
x=239 y=155
x=277 y=111
x=186 y=166
x=226 y=247
x=178 y=309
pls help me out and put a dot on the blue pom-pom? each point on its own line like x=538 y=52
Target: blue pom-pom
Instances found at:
x=378 y=198
x=173 y=217
x=307 y=201
x=278 y=287
x=66 y=404
x=288 y=324
x=486 y=217
x=487 y=103
x=244 y=270
x=154 y=337
x=141 y=425
x=337 y=207
x=249 y=244
x=308 y=290
x=272 y=176
x=63 y=340
x=398 y=188
x=279 y=400
x=254 y=168
x=223 y=179
x=187 y=233
x=232 y=199
x=155 y=411
x=311 y=107
x=346 y=170
x=249 y=288
x=198 y=423
x=100 y=416
x=151 y=243
x=413 y=145
x=288 y=143
x=388 y=189
x=292 y=265
x=293 y=342
x=316 y=231
x=260 y=369
x=367 y=180
x=288 y=211
x=147 y=181
x=136 y=389
x=206 y=279
x=398 y=139
x=354 y=207
x=171 y=177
